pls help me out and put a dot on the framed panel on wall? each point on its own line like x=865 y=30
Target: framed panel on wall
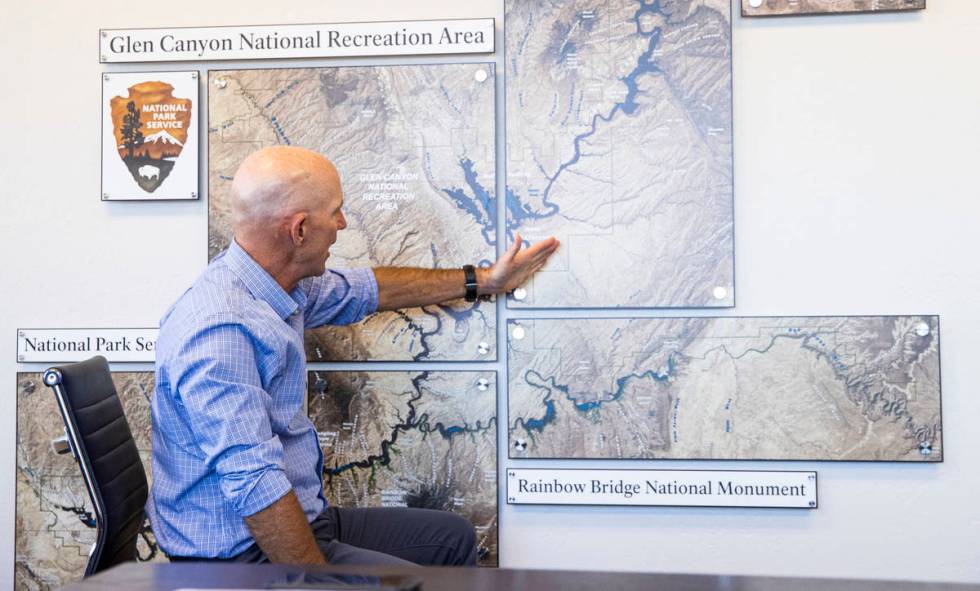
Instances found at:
x=55 y=521
x=817 y=388
x=620 y=143
x=424 y=439
x=415 y=149
x=811 y=7
x=149 y=136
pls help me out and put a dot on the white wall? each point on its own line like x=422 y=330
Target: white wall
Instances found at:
x=856 y=161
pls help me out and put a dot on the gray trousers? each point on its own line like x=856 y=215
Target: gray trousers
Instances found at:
x=386 y=536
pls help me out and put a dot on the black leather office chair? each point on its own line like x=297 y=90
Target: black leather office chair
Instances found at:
x=97 y=434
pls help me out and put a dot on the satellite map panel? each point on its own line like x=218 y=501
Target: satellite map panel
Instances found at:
x=411 y=439
x=414 y=146
x=791 y=388
x=55 y=524
x=416 y=439
x=791 y=7
x=619 y=142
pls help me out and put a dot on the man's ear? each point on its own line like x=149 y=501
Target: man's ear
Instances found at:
x=297 y=228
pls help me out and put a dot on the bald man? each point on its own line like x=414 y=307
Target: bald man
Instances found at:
x=237 y=465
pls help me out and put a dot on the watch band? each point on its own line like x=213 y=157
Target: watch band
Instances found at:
x=469 y=273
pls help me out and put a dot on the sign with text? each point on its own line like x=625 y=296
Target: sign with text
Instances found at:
x=149 y=135
x=67 y=345
x=297 y=41
x=667 y=488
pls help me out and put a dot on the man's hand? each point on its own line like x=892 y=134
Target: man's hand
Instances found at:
x=515 y=266
x=406 y=287
x=282 y=532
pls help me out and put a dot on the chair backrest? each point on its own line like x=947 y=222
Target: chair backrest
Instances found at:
x=103 y=444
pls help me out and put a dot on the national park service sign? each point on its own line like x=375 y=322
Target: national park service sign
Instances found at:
x=149 y=136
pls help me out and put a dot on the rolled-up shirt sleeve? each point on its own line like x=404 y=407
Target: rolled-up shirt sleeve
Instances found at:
x=340 y=296
x=220 y=392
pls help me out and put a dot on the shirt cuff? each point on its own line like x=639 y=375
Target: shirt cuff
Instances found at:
x=269 y=487
x=365 y=282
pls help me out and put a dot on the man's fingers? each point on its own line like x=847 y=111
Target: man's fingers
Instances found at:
x=528 y=269
x=542 y=254
x=549 y=243
x=545 y=247
x=519 y=264
x=529 y=272
x=546 y=252
x=512 y=250
x=535 y=266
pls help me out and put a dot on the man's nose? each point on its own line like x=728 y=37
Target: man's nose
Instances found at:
x=342 y=223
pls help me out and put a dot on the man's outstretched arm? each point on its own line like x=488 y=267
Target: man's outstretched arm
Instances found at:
x=406 y=287
x=282 y=532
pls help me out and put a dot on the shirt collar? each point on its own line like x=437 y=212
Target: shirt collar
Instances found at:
x=260 y=284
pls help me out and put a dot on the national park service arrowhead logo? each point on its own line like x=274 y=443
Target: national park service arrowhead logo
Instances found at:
x=151 y=127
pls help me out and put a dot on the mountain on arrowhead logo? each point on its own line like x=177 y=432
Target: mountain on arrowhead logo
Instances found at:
x=151 y=127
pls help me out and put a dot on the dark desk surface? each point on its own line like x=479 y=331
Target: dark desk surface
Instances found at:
x=160 y=577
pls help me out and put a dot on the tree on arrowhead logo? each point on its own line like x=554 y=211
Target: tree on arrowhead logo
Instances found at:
x=151 y=127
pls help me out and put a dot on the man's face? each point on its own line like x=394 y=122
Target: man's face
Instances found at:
x=324 y=223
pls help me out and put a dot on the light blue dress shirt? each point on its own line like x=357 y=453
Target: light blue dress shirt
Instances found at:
x=230 y=433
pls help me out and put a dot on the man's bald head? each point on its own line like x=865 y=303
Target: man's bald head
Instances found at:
x=277 y=182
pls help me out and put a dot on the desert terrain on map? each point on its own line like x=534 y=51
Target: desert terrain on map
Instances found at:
x=754 y=388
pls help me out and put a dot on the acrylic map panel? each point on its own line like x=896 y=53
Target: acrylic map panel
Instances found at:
x=419 y=439
x=414 y=146
x=55 y=526
x=619 y=142
x=444 y=457
x=755 y=388
x=791 y=7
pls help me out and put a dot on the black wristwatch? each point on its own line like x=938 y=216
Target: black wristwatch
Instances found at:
x=469 y=272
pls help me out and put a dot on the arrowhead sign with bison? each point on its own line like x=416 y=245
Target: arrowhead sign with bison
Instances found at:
x=152 y=129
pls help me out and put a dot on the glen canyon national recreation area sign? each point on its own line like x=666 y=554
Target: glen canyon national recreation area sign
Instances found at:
x=149 y=136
